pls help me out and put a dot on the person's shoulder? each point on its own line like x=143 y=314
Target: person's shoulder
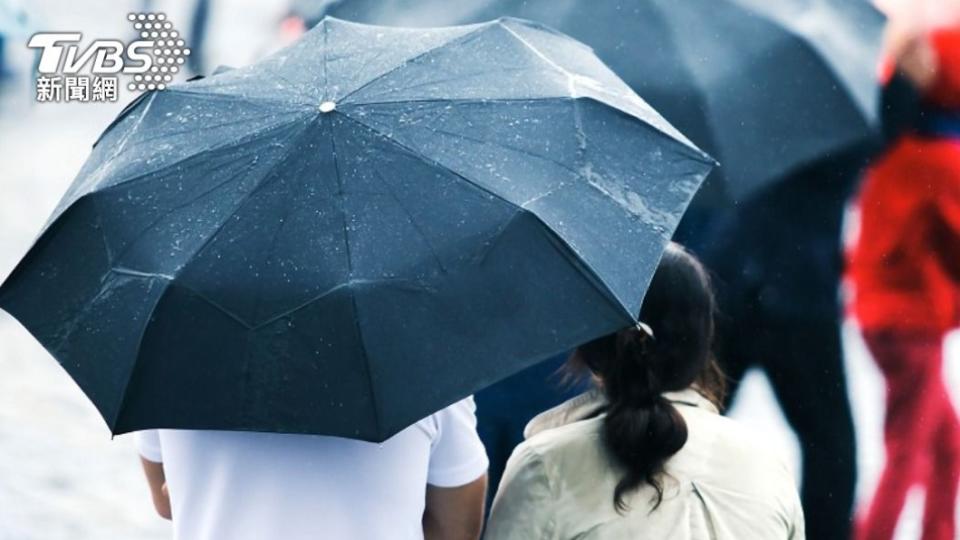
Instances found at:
x=465 y=407
x=742 y=440
x=741 y=456
x=575 y=444
x=463 y=412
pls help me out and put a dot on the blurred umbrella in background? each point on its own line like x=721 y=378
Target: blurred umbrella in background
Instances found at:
x=355 y=232
x=765 y=86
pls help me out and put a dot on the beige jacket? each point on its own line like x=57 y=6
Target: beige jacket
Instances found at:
x=724 y=484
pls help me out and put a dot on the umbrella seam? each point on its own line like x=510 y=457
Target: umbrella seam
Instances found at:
x=213 y=235
x=542 y=56
x=146 y=319
x=73 y=322
x=582 y=267
x=472 y=100
x=326 y=57
x=420 y=155
x=691 y=149
x=146 y=176
x=220 y=125
x=149 y=227
x=128 y=108
x=246 y=198
x=212 y=303
x=567 y=252
x=321 y=295
x=692 y=153
x=179 y=162
x=175 y=163
x=353 y=297
x=413 y=223
x=461 y=38
x=518 y=208
x=119 y=148
x=200 y=93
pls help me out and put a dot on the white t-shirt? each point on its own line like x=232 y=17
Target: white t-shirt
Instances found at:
x=239 y=485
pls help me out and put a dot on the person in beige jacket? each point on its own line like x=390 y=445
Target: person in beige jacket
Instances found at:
x=646 y=455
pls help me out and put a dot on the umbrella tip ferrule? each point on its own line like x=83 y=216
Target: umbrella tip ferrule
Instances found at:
x=327 y=106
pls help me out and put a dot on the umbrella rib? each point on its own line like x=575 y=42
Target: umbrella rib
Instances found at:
x=694 y=151
x=324 y=294
x=326 y=55
x=457 y=77
x=216 y=305
x=75 y=320
x=568 y=252
x=542 y=56
x=136 y=359
x=273 y=247
x=143 y=332
x=413 y=223
x=200 y=249
x=177 y=207
x=587 y=273
x=194 y=129
x=469 y=100
x=349 y=284
x=423 y=157
x=126 y=136
x=146 y=175
x=459 y=39
x=246 y=198
x=149 y=227
x=200 y=94
x=498 y=144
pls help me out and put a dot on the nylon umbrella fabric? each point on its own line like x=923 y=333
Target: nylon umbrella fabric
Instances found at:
x=354 y=232
x=765 y=86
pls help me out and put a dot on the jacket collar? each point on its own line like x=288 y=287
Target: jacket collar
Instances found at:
x=593 y=403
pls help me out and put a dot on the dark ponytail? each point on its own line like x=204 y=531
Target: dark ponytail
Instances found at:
x=642 y=430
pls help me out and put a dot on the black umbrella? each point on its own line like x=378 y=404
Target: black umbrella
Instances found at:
x=765 y=86
x=355 y=232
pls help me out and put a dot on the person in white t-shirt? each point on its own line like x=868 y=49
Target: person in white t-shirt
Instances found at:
x=428 y=481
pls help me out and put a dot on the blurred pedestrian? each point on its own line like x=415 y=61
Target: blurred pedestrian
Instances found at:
x=199 y=26
x=905 y=281
x=427 y=481
x=645 y=454
x=777 y=260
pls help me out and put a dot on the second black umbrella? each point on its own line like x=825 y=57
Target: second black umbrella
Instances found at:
x=765 y=86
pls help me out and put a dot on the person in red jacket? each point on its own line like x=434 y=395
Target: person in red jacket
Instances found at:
x=905 y=274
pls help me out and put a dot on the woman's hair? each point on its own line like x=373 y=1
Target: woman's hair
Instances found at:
x=642 y=429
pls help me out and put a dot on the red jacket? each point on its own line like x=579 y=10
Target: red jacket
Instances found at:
x=904 y=267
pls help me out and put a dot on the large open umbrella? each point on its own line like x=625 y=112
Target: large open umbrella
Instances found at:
x=354 y=232
x=765 y=86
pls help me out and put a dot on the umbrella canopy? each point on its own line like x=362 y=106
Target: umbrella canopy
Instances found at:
x=355 y=232
x=765 y=86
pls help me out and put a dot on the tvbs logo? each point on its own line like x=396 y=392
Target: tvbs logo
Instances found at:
x=69 y=72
